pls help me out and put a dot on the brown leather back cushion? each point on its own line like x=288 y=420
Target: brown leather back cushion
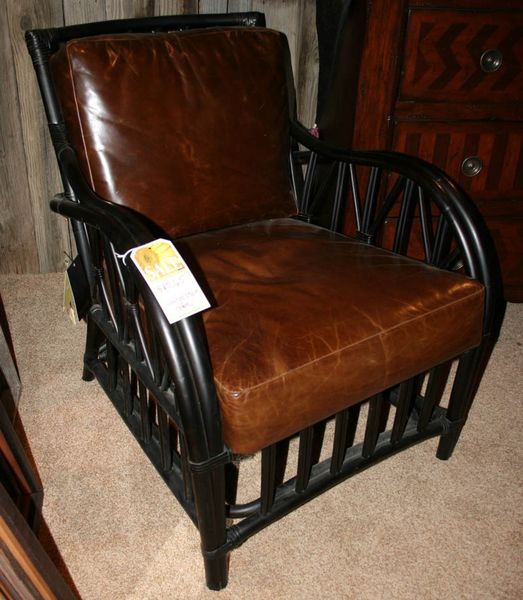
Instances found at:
x=189 y=128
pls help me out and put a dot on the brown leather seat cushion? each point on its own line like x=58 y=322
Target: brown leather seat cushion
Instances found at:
x=306 y=322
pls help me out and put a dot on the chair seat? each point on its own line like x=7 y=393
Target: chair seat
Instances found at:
x=306 y=322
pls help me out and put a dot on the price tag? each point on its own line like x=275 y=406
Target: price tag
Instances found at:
x=170 y=280
x=76 y=291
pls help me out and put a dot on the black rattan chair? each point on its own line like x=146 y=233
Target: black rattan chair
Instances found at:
x=164 y=130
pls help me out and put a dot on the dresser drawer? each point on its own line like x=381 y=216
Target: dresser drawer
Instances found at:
x=507 y=233
x=486 y=159
x=462 y=56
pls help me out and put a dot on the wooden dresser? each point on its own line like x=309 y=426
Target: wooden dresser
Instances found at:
x=443 y=80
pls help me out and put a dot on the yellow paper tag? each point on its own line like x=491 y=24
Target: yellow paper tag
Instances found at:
x=170 y=279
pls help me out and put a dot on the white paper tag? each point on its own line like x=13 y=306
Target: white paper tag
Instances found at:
x=170 y=280
x=76 y=291
x=69 y=302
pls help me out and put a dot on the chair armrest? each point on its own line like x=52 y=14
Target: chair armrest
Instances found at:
x=125 y=228
x=394 y=187
x=125 y=308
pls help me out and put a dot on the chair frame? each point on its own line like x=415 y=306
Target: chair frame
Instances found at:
x=159 y=376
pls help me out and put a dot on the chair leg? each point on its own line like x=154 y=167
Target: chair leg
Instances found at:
x=216 y=572
x=90 y=348
x=447 y=443
x=209 y=495
x=468 y=376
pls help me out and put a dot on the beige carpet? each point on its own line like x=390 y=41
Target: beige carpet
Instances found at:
x=412 y=527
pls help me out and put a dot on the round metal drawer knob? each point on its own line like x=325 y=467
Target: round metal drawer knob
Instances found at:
x=471 y=166
x=491 y=60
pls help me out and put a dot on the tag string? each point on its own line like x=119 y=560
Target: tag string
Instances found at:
x=124 y=255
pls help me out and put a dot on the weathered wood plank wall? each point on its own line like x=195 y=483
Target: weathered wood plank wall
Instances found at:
x=32 y=239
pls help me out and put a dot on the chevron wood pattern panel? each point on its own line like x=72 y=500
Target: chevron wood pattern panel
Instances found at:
x=506 y=233
x=498 y=187
x=448 y=46
x=422 y=91
x=448 y=144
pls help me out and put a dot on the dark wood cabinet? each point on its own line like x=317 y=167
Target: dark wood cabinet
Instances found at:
x=17 y=473
x=444 y=80
x=26 y=570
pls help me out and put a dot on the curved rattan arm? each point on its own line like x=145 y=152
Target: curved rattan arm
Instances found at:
x=468 y=228
x=183 y=344
x=124 y=227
